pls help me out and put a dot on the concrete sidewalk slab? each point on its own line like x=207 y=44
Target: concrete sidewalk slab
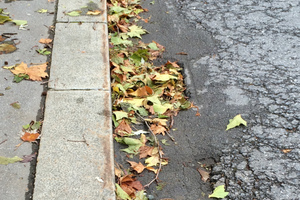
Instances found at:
x=80 y=57
x=76 y=154
x=65 y=6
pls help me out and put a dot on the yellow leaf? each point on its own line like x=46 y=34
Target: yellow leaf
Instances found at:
x=35 y=73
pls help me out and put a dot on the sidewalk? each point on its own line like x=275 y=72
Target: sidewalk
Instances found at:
x=75 y=158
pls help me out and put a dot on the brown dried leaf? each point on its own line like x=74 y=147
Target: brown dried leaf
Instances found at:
x=286 y=150
x=30 y=137
x=123 y=128
x=145 y=151
x=45 y=41
x=158 y=129
x=138 y=167
x=204 y=174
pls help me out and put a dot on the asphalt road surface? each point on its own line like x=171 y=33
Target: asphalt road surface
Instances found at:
x=243 y=58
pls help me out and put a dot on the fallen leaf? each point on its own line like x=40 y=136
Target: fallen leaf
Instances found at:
x=236 y=121
x=42 y=11
x=45 y=41
x=136 y=31
x=121 y=193
x=2 y=38
x=94 y=12
x=219 y=192
x=152 y=161
x=142 y=92
x=204 y=174
x=164 y=142
x=120 y=114
x=74 y=13
x=16 y=105
x=138 y=167
x=44 y=52
x=7 y=47
x=133 y=144
x=5 y=160
x=141 y=195
x=28 y=158
x=145 y=151
x=20 y=22
x=4 y=19
x=123 y=128
x=158 y=129
x=286 y=150
x=35 y=73
x=30 y=137
x=160 y=186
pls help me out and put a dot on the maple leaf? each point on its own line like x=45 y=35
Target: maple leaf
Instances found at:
x=219 y=192
x=45 y=41
x=142 y=92
x=236 y=121
x=123 y=128
x=121 y=193
x=157 y=129
x=35 y=73
x=136 y=31
x=145 y=151
x=138 y=167
x=30 y=137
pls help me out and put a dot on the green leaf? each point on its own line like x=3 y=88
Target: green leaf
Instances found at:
x=121 y=193
x=1 y=10
x=164 y=141
x=118 y=41
x=19 y=77
x=136 y=31
x=152 y=2
x=36 y=125
x=42 y=11
x=20 y=22
x=163 y=77
x=74 y=13
x=133 y=144
x=5 y=160
x=120 y=114
x=44 y=52
x=161 y=109
x=16 y=105
x=153 y=46
x=154 y=99
x=143 y=111
x=141 y=195
x=236 y=121
x=4 y=19
x=160 y=186
x=27 y=126
x=219 y=192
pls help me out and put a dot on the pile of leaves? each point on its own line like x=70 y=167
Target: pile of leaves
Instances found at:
x=142 y=93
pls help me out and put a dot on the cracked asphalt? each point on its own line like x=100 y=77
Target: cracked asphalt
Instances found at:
x=256 y=69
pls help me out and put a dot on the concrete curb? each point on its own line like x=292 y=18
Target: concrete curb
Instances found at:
x=76 y=151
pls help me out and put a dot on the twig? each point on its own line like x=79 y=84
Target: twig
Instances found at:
x=159 y=152
x=3 y=141
x=84 y=140
x=170 y=136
